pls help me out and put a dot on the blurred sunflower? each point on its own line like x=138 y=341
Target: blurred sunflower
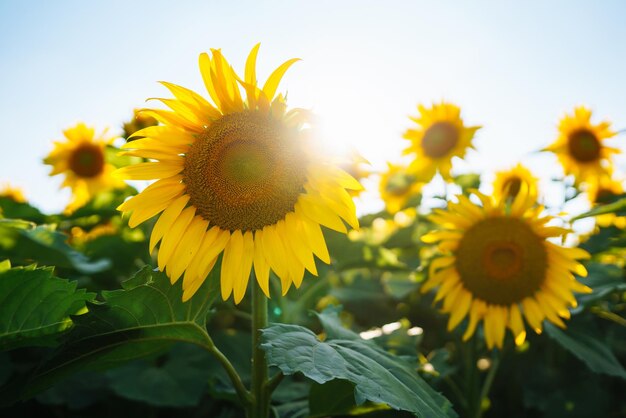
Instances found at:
x=397 y=187
x=239 y=177
x=439 y=136
x=499 y=264
x=81 y=157
x=580 y=147
x=507 y=184
x=137 y=123
x=606 y=190
x=11 y=192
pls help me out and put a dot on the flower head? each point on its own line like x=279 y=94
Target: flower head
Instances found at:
x=439 y=136
x=580 y=147
x=82 y=159
x=508 y=183
x=498 y=266
x=397 y=187
x=237 y=176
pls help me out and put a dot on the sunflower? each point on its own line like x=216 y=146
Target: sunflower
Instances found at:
x=439 y=136
x=11 y=192
x=138 y=122
x=81 y=157
x=607 y=190
x=498 y=265
x=239 y=177
x=507 y=183
x=397 y=187
x=580 y=147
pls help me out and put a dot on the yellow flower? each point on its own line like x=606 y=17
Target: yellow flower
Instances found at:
x=137 y=123
x=499 y=265
x=604 y=191
x=439 y=136
x=13 y=193
x=397 y=186
x=508 y=183
x=81 y=157
x=580 y=147
x=237 y=176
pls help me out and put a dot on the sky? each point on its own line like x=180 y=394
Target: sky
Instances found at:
x=513 y=67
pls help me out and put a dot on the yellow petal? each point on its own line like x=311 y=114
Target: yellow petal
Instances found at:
x=174 y=236
x=241 y=282
x=166 y=220
x=274 y=79
x=231 y=263
x=261 y=266
x=186 y=250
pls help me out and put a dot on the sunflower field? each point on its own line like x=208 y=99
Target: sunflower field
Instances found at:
x=213 y=262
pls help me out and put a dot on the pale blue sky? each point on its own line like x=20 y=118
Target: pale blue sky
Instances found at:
x=513 y=67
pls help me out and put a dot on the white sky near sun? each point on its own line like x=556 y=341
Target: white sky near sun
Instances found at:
x=513 y=67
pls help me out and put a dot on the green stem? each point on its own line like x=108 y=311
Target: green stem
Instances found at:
x=242 y=393
x=273 y=383
x=484 y=392
x=260 y=407
x=470 y=374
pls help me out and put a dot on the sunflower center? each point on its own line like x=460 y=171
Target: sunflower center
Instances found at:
x=439 y=139
x=245 y=171
x=512 y=186
x=501 y=260
x=398 y=184
x=87 y=160
x=584 y=146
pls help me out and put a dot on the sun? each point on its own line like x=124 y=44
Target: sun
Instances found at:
x=239 y=176
x=497 y=266
x=82 y=159
x=439 y=136
x=580 y=147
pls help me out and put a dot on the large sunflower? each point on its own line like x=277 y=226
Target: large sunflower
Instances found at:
x=507 y=183
x=237 y=176
x=580 y=147
x=397 y=187
x=81 y=157
x=499 y=265
x=439 y=136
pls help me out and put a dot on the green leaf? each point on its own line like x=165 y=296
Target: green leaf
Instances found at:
x=332 y=398
x=603 y=279
x=378 y=376
x=142 y=319
x=9 y=208
x=595 y=353
x=35 y=306
x=24 y=243
x=179 y=380
x=618 y=208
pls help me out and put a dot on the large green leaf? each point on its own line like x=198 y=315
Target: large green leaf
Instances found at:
x=178 y=380
x=590 y=349
x=142 y=319
x=377 y=376
x=35 y=306
x=24 y=242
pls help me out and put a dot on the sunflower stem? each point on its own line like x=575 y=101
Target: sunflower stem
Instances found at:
x=242 y=392
x=260 y=407
x=484 y=392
